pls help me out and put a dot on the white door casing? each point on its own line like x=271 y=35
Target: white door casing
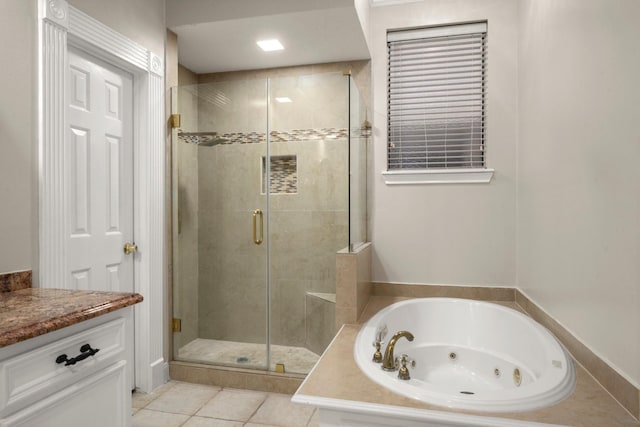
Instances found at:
x=99 y=181
x=61 y=26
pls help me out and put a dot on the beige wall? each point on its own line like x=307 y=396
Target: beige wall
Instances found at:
x=143 y=21
x=449 y=233
x=18 y=121
x=578 y=179
x=562 y=113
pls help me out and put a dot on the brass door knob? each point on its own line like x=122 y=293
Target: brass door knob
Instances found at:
x=130 y=248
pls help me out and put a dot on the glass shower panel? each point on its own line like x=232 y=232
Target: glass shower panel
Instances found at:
x=264 y=173
x=308 y=212
x=359 y=133
x=220 y=224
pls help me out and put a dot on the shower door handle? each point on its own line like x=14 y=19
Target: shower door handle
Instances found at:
x=258 y=213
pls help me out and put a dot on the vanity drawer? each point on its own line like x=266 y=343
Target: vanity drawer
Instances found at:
x=32 y=375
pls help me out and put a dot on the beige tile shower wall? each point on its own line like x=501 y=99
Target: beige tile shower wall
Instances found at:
x=309 y=94
x=233 y=106
x=241 y=105
x=360 y=71
x=232 y=269
x=185 y=280
x=321 y=315
x=305 y=229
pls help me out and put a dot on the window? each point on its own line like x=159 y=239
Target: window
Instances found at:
x=436 y=99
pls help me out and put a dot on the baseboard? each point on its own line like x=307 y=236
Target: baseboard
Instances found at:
x=619 y=387
x=482 y=293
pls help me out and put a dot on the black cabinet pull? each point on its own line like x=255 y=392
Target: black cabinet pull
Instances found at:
x=85 y=351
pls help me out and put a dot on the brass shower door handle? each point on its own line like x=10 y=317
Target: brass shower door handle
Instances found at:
x=257 y=213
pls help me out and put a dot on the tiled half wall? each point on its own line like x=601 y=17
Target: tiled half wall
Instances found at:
x=353 y=283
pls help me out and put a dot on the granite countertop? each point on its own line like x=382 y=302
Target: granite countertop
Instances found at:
x=336 y=376
x=27 y=313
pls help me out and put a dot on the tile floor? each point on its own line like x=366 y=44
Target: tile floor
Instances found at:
x=177 y=404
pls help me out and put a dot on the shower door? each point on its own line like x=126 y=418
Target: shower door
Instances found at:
x=261 y=206
x=220 y=224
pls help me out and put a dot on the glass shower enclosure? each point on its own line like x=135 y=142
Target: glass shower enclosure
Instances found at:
x=269 y=182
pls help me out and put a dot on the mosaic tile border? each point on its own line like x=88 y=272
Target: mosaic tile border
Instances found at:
x=15 y=280
x=295 y=135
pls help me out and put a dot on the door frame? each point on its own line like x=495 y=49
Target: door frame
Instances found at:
x=60 y=26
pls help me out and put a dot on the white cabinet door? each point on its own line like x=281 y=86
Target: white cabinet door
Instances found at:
x=99 y=174
x=101 y=400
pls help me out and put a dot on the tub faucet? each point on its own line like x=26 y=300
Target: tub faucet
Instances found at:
x=388 y=361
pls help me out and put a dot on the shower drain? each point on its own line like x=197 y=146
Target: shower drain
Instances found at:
x=242 y=359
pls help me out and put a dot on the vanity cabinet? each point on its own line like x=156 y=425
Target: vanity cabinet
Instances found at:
x=80 y=375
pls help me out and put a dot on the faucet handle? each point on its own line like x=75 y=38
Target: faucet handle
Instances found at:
x=405 y=359
x=377 y=356
x=381 y=332
x=403 y=371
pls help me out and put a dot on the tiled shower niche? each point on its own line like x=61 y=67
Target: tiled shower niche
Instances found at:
x=283 y=176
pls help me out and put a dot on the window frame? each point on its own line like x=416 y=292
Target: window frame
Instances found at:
x=439 y=175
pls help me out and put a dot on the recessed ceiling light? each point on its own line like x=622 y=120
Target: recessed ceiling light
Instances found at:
x=283 y=99
x=270 y=45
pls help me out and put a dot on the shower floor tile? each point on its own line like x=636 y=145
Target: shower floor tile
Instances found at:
x=249 y=355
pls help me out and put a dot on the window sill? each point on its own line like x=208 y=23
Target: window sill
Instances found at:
x=441 y=176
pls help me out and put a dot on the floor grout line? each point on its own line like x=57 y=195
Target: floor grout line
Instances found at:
x=169 y=386
x=258 y=408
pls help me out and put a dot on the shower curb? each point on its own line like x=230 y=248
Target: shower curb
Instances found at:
x=235 y=378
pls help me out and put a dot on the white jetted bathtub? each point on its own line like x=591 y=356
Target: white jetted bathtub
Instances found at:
x=469 y=355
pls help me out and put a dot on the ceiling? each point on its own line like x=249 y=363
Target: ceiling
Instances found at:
x=221 y=35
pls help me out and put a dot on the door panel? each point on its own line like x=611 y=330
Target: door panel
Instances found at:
x=99 y=155
x=220 y=272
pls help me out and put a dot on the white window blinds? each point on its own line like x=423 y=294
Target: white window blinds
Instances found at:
x=436 y=97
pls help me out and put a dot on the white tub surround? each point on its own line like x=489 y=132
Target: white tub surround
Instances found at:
x=346 y=396
x=469 y=355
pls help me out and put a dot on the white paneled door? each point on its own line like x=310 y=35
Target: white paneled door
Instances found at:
x=99 y=174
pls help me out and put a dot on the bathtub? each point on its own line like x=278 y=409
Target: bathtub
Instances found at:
x=469 y=355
